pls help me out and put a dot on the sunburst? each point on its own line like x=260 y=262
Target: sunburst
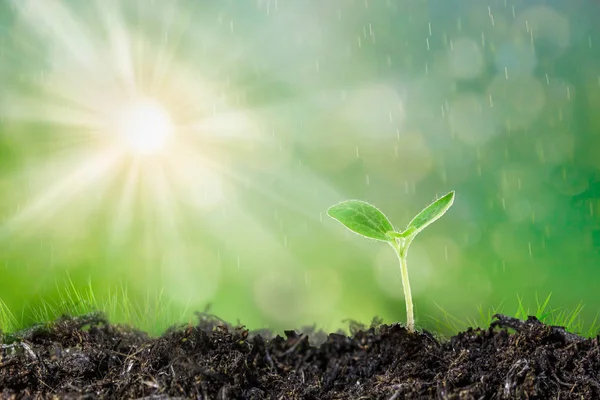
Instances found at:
x=124 y=136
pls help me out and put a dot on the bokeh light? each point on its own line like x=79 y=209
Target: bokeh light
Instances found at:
x=190 y=149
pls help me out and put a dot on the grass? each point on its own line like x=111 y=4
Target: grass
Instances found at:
x=8 y=322
x=154 y=316
x=570 y=319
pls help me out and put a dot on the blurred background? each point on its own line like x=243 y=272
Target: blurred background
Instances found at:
x=251 y=117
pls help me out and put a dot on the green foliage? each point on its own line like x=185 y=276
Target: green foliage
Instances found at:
x=569 y=319
x=449 y=323
x=154 y=315
x=368 y=221
x=8 y=322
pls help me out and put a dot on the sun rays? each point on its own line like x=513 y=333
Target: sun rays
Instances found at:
x=135 y=136
x=157 y=144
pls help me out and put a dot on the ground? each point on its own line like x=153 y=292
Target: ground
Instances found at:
x=89 y=358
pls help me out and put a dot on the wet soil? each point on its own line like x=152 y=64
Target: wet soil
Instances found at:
x=89 y=358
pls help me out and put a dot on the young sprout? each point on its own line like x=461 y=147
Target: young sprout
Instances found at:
x=368 y=221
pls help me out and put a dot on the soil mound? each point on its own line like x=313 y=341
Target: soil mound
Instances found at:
x=89 y=358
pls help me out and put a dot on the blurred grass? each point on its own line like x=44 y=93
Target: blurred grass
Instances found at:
x=570 y=319
x=153 y=316
x=8 y=321
x=156 y=316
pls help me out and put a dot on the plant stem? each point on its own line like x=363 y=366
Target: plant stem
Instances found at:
x=401 y=249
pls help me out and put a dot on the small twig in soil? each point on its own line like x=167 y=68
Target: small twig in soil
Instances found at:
x=27 y=349
x=299 y=340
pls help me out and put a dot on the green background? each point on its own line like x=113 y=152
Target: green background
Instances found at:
x=284 y=108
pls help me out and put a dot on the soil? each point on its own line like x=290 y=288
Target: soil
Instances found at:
x=88 y=358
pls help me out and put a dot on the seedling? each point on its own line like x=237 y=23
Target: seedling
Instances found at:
x=368 y=221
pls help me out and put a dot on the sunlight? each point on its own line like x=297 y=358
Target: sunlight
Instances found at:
x=121 y=131
x=147 y=140
x=145 y=126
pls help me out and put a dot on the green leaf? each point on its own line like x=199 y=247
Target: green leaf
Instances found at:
x=432 y=212
x=362 y=218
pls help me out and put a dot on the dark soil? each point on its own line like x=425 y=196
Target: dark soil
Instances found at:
x=86 y=357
